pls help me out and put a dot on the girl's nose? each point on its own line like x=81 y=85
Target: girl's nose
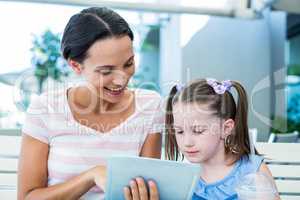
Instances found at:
x=188 y=140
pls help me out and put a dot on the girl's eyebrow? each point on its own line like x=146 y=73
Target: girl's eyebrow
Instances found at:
x=199 y=126
x=175 y=126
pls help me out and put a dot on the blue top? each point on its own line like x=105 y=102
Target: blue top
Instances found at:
x=225 y=188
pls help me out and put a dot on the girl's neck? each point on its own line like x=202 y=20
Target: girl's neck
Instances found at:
x=217 y=167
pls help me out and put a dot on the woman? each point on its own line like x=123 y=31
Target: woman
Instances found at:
x=68 y=133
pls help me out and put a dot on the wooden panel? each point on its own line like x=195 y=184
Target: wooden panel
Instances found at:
x=8 y=194
x=287 y=171
x=8 y=180
x=288 y=186
x=285 y=197
x=282 y=152
x=10 y=145
x=8 y=164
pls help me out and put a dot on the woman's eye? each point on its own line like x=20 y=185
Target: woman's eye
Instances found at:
x=104 y=71
x=128 y=64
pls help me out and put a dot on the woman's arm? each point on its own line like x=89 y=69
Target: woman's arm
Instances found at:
x=265 y=169
x=32 y=175
x=152 y=146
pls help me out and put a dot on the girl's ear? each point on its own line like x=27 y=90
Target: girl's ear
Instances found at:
x=76 y=66
x=228 y=127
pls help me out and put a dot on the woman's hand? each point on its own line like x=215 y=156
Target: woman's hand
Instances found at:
x=98 y=174
x=138 y=190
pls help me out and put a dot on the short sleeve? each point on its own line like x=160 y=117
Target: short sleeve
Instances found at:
x=34 y=124
x=251 y=164
x=256 y=161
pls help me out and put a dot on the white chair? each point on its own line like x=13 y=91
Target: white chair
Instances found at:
x=284 y=137
x=10 y=143
x=283 y=159
x=253 y=133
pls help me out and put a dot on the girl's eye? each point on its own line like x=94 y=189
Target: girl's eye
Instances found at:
x=198 y=131
x=177 y=131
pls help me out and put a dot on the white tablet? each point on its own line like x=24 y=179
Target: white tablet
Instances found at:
x=175 y=180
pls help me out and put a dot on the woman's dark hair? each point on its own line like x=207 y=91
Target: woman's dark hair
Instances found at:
x=222 y=105
x=88 y=26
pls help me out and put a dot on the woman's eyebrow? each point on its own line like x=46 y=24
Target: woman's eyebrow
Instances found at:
x=112 y=66
x=129 y=59
x=105 y=66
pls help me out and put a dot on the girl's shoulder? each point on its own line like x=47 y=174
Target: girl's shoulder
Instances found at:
x=250 y=163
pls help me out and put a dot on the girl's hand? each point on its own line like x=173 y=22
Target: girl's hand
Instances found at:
x=138 y=190
x=98 y=174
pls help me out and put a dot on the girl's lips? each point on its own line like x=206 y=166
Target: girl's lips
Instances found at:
x=191 y=152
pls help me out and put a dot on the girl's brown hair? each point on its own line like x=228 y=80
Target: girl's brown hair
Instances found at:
x=223 y=105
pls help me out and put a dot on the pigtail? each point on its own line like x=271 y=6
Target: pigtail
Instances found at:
x=171 y=147
x=240 y=140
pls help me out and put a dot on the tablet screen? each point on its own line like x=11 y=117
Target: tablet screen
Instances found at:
x=175 y=180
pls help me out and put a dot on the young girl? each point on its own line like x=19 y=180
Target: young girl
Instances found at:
x=205 y=125
x=208 y=127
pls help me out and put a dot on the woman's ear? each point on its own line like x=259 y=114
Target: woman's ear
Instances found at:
x=228 y=127
x=76 y=66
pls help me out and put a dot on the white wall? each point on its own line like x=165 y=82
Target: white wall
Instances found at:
x=233 y=49
x=250 y=51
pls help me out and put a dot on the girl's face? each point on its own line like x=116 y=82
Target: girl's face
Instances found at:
x=108 y=67
x=198 y=132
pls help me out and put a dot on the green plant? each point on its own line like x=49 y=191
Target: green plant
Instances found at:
x=47 y=58
x=284 y=125
x=293 y=69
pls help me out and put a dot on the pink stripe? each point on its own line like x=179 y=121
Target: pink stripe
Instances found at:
x=96 y=189
x=77 y=160
x=60 y=175
x=60 y=132
x=35 y=121
x=124 y=146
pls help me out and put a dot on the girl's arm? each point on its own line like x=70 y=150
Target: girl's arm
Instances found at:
x=265 y=169
x=152 y=146
x=33 y=175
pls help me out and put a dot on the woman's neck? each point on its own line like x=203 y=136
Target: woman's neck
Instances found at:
x=85 y=98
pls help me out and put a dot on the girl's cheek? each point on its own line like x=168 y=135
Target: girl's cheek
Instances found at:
x=179 y=140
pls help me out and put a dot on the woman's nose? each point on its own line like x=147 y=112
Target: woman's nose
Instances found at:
x=119 y=78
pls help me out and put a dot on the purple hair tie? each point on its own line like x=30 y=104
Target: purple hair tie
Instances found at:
x=179 y=87
x=219 y=88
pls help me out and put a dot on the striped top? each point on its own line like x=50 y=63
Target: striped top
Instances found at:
x=75 y=148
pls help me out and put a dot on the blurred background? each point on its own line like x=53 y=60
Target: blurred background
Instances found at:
x=256 y=42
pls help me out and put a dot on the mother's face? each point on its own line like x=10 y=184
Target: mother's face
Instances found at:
x=109 y=66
